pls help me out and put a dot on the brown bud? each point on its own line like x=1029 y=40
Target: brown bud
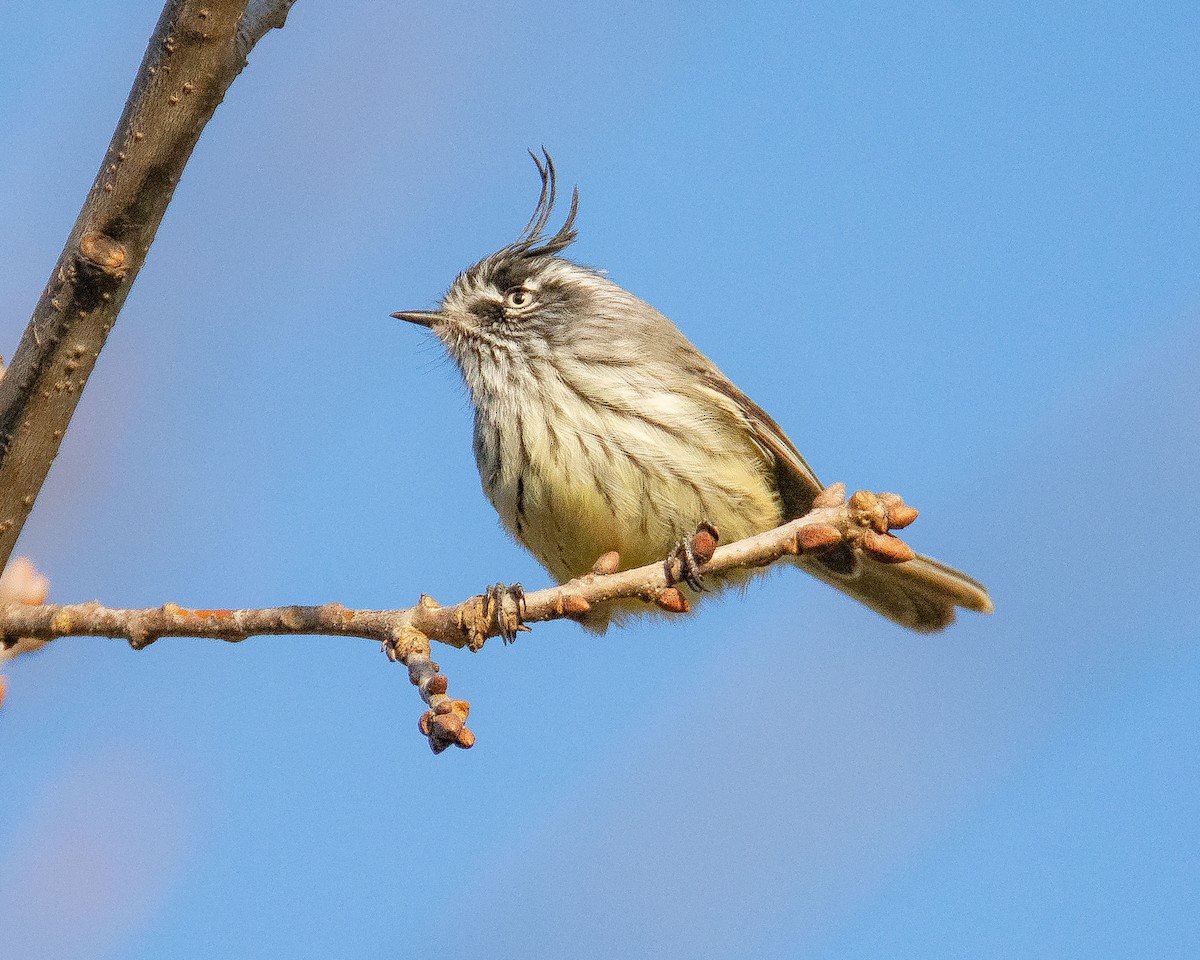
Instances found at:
x=140 y=639
x=104 y=252
x=886 y=548
x=446 y=727
x=423 y=723
x=704 y=545
x=608 y=563
x=437 y=746
x=438 y=684
x=21 y=580
x=443 y=707
x=817 y=536
x=461 y=707
x=900 y=516
x=466 y=739
x=671 y=600
x=573 y=604
x=832 y=496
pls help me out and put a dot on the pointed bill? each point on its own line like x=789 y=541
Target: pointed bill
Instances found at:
x=424 y=318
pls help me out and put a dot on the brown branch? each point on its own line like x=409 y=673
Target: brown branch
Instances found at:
x=406 y=633
x=196 y=51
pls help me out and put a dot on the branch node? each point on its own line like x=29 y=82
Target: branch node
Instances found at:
x=406 y=645
x=473 y=619
x=445 y=725
x=869 y=511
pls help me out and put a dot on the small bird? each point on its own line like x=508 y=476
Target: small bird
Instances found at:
x=600 y=427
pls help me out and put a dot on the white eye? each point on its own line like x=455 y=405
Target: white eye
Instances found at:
x=518 y=298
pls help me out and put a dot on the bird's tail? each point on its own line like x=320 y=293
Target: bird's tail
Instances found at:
x=920 y=594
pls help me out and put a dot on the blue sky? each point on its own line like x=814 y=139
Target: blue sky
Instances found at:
x=953 y=248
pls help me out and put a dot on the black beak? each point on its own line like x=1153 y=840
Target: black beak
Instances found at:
x=424 y=318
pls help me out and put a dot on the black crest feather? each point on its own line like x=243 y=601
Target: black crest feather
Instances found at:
x=533 y=241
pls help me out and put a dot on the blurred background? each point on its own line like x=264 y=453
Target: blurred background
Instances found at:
x=953 y=248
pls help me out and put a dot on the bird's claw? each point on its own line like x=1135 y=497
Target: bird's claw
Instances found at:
x=685 y=553
x=506 y=627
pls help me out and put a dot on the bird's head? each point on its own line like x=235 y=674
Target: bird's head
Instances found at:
x=522 y=299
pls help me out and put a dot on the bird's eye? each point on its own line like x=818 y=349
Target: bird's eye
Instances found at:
x=518 y=298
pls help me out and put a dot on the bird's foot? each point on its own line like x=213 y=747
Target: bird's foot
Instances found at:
x=507 y=625
x=683 y=563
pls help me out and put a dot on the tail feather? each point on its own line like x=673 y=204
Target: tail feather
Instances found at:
x=920 y=594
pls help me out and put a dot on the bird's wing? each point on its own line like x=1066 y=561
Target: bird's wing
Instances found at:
x=794 y=478
x=920 y=594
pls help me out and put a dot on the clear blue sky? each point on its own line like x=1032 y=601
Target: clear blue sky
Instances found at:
x=953 y=248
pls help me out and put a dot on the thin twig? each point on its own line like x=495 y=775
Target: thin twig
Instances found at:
x=406 y=633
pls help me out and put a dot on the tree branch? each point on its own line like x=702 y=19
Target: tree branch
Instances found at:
x=196 y=51
x=863 y=521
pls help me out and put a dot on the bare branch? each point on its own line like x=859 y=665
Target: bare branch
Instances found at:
x=471 y=622
x=196 y=51
x=405 y=634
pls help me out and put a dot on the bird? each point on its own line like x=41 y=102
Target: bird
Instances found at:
x=599 y=427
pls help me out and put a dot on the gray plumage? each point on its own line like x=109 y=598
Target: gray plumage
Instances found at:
x=599 y=426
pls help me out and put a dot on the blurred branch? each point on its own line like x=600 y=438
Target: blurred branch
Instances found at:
x=196 y=51
x=405 y=634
